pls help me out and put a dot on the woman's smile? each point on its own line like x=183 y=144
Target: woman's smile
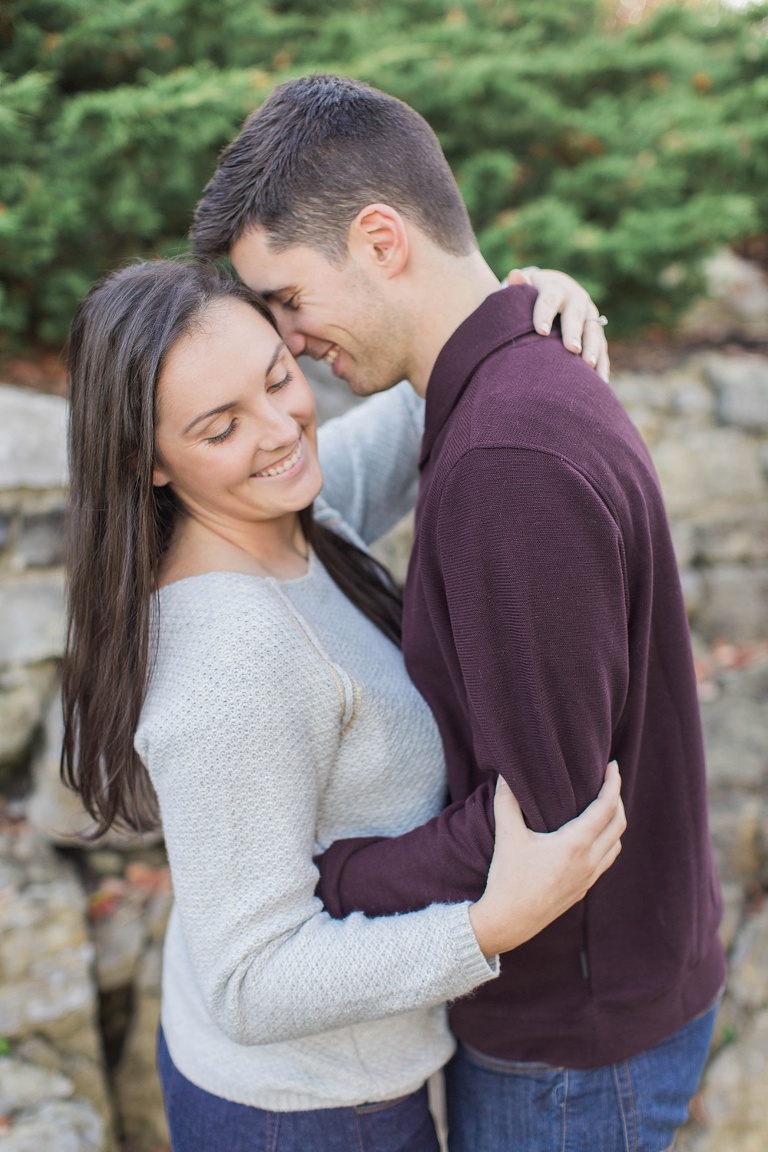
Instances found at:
x=284 y=466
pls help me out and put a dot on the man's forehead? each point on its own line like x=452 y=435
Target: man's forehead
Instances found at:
x=276 y=271
x=259 y=266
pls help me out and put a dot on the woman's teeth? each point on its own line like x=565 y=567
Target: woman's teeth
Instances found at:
x=331 y=355
x=284 y=465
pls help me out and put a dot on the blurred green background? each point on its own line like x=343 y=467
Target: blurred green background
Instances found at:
x=621 y=142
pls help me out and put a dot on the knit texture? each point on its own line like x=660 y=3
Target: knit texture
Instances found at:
x=278 y=719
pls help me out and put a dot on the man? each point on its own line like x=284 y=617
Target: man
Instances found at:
x=543 y=621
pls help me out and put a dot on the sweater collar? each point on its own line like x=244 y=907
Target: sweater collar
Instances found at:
x=503 y=317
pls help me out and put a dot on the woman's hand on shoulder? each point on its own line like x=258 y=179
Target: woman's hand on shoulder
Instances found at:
x=580 y=321
x=535 y=877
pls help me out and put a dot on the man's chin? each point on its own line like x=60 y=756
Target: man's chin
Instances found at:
x=369 y=387
x=357 y=387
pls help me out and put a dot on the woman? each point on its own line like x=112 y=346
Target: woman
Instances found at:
x=241 y=653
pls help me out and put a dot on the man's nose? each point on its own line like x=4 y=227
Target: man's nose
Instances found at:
x=295 y=341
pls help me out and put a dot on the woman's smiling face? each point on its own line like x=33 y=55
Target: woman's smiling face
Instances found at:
x=235 y=430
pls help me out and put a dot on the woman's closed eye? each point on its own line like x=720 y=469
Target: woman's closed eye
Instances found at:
x=278 y=384
x=222 y=435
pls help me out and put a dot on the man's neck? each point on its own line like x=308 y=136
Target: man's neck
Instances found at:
x=447 y=290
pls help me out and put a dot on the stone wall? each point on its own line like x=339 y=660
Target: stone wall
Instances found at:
x=32 y=501
x=706 y=423
x=80 y=938
x=53 y=1086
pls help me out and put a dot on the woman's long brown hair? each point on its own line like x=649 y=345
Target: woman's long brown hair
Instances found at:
x=120 y=525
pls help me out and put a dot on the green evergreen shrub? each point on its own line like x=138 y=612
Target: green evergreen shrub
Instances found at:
x=621 y=154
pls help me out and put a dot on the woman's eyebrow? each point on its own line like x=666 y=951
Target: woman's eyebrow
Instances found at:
x=275 y=357
x=231 y=403
x=212 y=412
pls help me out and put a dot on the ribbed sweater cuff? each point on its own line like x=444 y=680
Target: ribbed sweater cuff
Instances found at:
x=478 y=969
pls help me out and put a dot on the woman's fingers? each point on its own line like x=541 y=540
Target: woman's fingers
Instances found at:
x=536 y=876
x=594 y=837
x=598 y=815
x=518 y=276
x=608 y=843
x=595 y=345
x=593 y=832
x=587 y=845
x=559 y=293
x=503 y=789
x=553 y=299
x=572 y=304
x=609 y=798
x=605 y=862
x=608 y=805
x=578 y=321
x=507 y=812
x=613 y=831
x=505 y=797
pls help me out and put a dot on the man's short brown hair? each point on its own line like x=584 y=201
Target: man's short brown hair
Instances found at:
x=313 y=155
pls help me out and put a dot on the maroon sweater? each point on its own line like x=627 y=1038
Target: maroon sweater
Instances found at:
x=545 y=626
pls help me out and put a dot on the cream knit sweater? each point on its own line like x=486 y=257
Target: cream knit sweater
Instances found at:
x=279 y=719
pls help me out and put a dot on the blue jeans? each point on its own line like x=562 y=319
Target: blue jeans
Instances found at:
x=201 y=1122
x=635 y=1106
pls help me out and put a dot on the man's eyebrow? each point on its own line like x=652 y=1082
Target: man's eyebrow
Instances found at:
x=270 y=293
x=231 y=403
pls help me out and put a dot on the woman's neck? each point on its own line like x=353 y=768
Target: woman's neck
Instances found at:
x=274 y=548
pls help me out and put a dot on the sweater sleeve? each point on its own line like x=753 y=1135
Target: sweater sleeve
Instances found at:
x=244 y=721
x=532 y=580
x=369 y=459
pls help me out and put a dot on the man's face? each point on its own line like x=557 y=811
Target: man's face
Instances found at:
x=329 y=312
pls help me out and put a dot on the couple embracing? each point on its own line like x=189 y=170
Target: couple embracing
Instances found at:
x=237 y=660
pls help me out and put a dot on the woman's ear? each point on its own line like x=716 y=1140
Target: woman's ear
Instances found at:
x=159 y=476
x=378 y=234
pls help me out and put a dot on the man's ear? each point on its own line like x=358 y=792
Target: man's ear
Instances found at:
x=378 y=235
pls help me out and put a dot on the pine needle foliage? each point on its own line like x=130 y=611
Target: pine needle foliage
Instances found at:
x=622 y=154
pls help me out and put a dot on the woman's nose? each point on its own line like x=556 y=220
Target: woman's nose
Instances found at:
x=279 y=429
